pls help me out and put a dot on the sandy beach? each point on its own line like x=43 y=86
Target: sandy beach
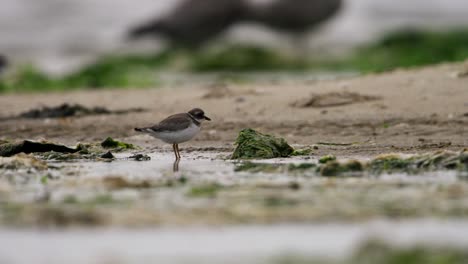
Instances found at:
x=413 y=110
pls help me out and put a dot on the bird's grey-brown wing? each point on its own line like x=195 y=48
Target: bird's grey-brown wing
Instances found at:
x=173 y=123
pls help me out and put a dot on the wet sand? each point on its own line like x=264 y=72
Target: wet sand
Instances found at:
x=415 y=111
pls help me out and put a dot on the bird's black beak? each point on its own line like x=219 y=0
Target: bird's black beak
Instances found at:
x=207 y=118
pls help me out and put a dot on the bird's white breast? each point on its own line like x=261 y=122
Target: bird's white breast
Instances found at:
x=176 y=137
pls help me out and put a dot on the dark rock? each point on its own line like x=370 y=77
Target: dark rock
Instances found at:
x=26 y=146
x=107 y=155
x=140 y=157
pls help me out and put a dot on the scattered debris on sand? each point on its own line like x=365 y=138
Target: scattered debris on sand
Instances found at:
x=333 y=99
x=22 y=161
x=72 y=110
x=26 y=146
x=140 y=157
x=329 y=166
x=254 y=145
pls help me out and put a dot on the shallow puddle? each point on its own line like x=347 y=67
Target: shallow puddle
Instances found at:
x=127 y=211
x=206 y=189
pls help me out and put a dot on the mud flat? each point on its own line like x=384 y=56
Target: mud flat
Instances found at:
x=410 y=111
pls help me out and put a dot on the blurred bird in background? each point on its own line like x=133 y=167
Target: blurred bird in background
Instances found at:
x=195 y=22
x=292 y=15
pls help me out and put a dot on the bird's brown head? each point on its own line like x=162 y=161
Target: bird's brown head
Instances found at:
x=199 y=114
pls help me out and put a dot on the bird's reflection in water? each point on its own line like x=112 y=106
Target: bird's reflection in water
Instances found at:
x=175 y=167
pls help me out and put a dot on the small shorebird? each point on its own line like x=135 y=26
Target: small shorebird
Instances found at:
x=177 y=128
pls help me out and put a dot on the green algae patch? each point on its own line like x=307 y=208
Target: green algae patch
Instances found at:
x=390 y=163
x=114 y=144
x=440 y=160
x=335 y=168
x=258 y=167
x=378 y=252
x=303 y=152
x=327 y=158
x=254 y=145
x=208 y=190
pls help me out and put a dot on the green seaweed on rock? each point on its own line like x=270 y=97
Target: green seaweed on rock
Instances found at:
x=254 y=145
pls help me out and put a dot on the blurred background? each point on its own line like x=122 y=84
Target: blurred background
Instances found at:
x=81 y=43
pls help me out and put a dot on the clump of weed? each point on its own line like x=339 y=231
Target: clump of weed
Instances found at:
x=327 y=158
x=254 y=145
x=389 y=163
